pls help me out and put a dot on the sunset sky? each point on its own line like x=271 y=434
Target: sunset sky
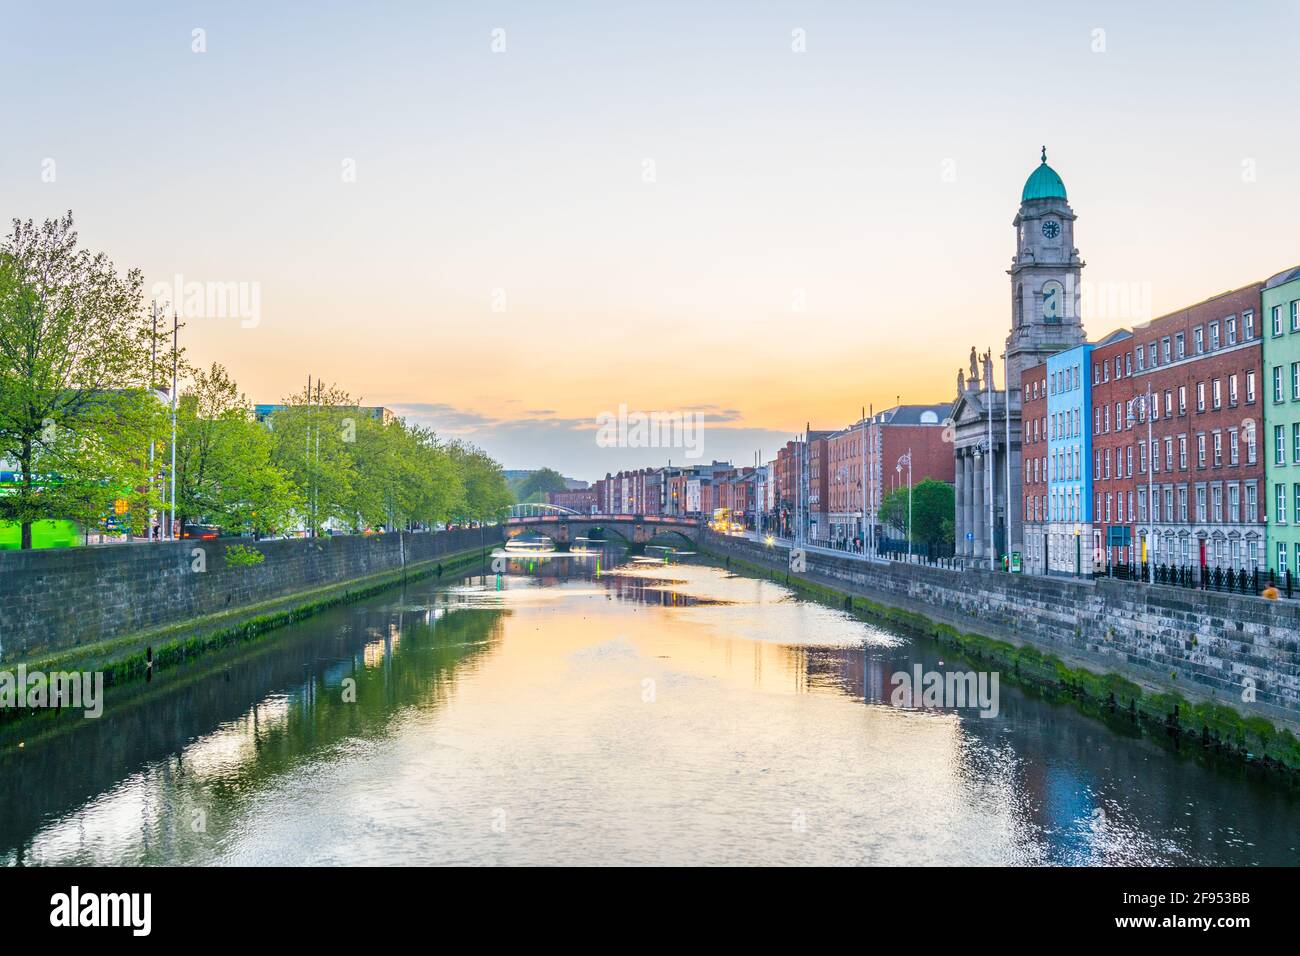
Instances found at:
x=657 y=205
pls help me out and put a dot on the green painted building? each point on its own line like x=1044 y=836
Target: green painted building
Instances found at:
x=1281 y=439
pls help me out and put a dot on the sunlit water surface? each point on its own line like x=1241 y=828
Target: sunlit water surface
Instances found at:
x=599 y=709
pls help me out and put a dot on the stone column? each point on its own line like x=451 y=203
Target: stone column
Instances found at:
x=959 y=490
x=968 y=503
x=998 y=492
x=977 y=506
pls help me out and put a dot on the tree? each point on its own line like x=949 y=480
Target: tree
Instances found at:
x=403 y=476
x=536 y=485
x=486 y=494
x=224 y=469
x=312 y=435
x=439 y=485
x=933 y=505
x=76 y=407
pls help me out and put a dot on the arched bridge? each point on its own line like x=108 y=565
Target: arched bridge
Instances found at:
x=638 y=530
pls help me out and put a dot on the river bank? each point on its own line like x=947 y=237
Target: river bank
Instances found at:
x=1248 y=740
x=139 y=656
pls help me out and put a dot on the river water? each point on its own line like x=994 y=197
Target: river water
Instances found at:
x=604 y=709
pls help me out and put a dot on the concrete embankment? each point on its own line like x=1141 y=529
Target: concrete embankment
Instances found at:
x=116 y=608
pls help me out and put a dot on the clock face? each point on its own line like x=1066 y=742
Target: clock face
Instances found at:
x=1051 y=228
x=1053 y=300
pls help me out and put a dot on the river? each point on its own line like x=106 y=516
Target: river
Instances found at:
x=605 y=709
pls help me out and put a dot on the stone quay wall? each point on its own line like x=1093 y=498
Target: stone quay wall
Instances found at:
x=53 y=600
x=1200 y=644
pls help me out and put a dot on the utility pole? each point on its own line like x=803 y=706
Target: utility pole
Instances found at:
x=315 y=504
x=175 y=361
x=988 y=391
x=909 y=503
x=153 y=396
x=862 y=481
x=869 y=514
x=306 y=459
x=1006 y=453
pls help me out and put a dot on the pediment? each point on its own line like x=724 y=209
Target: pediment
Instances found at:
x=967 y=408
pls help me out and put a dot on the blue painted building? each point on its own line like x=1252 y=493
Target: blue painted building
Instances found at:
x=1069 y=461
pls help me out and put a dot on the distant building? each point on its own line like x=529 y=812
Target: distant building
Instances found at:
x=378 y=412
x=581 y=500
x=867 y=460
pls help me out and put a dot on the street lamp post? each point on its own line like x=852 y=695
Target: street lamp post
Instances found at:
x=153 y=394
x=907 y=460
x=175 y=360
x=991 y=480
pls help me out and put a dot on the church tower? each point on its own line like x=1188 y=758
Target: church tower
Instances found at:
x=1044 y=275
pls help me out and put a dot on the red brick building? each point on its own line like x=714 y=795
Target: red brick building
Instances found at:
x=1113 y=450
x=1204 y=367
x=623 y=493
x=677 y=479
x=785 y=470
x=582 y=501
x=846 y=495
x=863 y=463
x=1034 y=454
x=737 y=491
x=817 y=489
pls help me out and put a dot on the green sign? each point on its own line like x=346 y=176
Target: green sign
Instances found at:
x=1015 y=562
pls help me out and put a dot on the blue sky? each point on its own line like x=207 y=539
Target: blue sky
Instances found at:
x=823 y=229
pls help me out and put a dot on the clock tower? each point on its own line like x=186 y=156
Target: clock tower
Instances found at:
x=1044 y=275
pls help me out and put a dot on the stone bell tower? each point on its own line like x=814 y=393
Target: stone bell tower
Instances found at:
x=1044 y=275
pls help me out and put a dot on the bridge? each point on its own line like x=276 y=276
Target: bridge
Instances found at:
x=564 y=527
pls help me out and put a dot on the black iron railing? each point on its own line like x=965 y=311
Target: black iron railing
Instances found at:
x=1203 y=578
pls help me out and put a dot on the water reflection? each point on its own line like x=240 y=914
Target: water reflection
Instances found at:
x=160 y=777
x=588 y=708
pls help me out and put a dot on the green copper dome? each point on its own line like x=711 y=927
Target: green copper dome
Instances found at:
x=1043 y=183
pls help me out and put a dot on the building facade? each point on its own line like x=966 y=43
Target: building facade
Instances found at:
x=816 y=491
x=845 y=489
x=1034 y=462
x=1069 y=453
x=1203 y=367
x=1280 y=301
x=1113 y=450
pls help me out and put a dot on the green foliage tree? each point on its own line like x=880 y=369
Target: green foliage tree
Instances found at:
x=407 y=478
x=536 y=485
x=485 y=494
x=933 y=505
x=367 y=474
x=225 y=474
x=313 y=435
x=76 y=408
